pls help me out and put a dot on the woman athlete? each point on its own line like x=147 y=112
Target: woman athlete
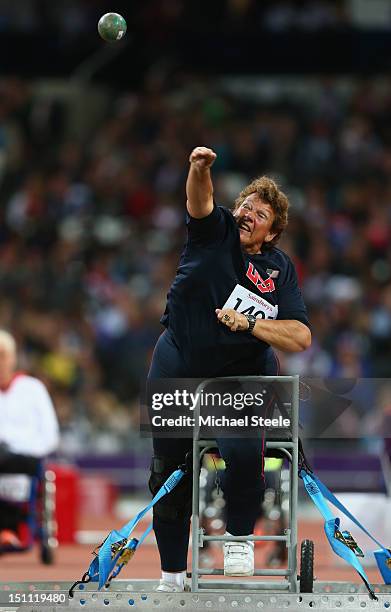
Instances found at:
x=229 y=258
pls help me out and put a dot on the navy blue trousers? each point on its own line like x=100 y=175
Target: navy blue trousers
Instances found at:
x=242 y=482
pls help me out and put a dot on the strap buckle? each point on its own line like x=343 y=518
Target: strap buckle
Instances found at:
x=303 y=463
x=187 y=466
x=346 y=538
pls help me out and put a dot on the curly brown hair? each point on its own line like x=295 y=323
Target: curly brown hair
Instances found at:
x=269 y=192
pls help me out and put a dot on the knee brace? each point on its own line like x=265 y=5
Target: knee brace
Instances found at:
x=177 y=504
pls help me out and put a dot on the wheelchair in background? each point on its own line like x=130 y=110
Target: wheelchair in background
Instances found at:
x=30 y=501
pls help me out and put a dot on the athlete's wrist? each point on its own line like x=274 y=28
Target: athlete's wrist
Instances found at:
x=251 y=320
x=246 y=324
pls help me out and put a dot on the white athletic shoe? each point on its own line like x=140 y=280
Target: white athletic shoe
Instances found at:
x=239 y=558
x=169 y=587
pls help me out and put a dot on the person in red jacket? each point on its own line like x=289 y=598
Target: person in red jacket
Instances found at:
x=29 y=431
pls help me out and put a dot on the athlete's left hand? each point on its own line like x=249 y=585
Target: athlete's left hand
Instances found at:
x=232 y=319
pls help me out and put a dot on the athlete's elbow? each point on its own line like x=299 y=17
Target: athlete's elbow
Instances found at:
x=304 y=339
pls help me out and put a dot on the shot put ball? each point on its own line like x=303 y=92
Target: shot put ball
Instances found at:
x=112 y=27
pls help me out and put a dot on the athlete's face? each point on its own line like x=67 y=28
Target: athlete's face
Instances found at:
x=255 y=219
x=7 y=364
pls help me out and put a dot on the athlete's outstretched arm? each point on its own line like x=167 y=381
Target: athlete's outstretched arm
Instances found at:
x=199 y=186
x=286 y=335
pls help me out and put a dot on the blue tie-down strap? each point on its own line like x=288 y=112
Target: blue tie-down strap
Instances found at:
x=382 y=556
x=383 y=560
x=342 y=542
x=118 y=547
x=114 y=553
x=341 y=549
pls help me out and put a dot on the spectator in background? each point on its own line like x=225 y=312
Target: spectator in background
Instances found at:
x=28 y=433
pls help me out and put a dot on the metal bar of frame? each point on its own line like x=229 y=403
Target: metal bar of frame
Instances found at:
x=222 y=538
x=294 y=488
x=141 y=594
x=260 y=572
x=291 y=535
x=260 y=585
x=195 y=520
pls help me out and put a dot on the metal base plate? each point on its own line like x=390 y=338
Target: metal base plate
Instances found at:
x=139 y=594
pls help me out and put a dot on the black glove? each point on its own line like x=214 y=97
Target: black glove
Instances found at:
x=4 y=450
x=12 y=463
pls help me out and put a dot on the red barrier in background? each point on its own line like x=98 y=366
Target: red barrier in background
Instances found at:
x=80 y=498
x=67 y=501
x=97 y=495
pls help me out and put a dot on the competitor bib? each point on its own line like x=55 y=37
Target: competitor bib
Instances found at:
x=247 y=302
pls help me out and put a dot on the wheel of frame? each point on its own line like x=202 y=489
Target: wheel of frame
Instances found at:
x=46 y=554
x=306 y=566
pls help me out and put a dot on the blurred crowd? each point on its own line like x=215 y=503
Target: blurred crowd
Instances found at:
x=92 y=227
x=71 y=17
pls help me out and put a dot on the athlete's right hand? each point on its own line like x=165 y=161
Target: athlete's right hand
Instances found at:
x=202 y=157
